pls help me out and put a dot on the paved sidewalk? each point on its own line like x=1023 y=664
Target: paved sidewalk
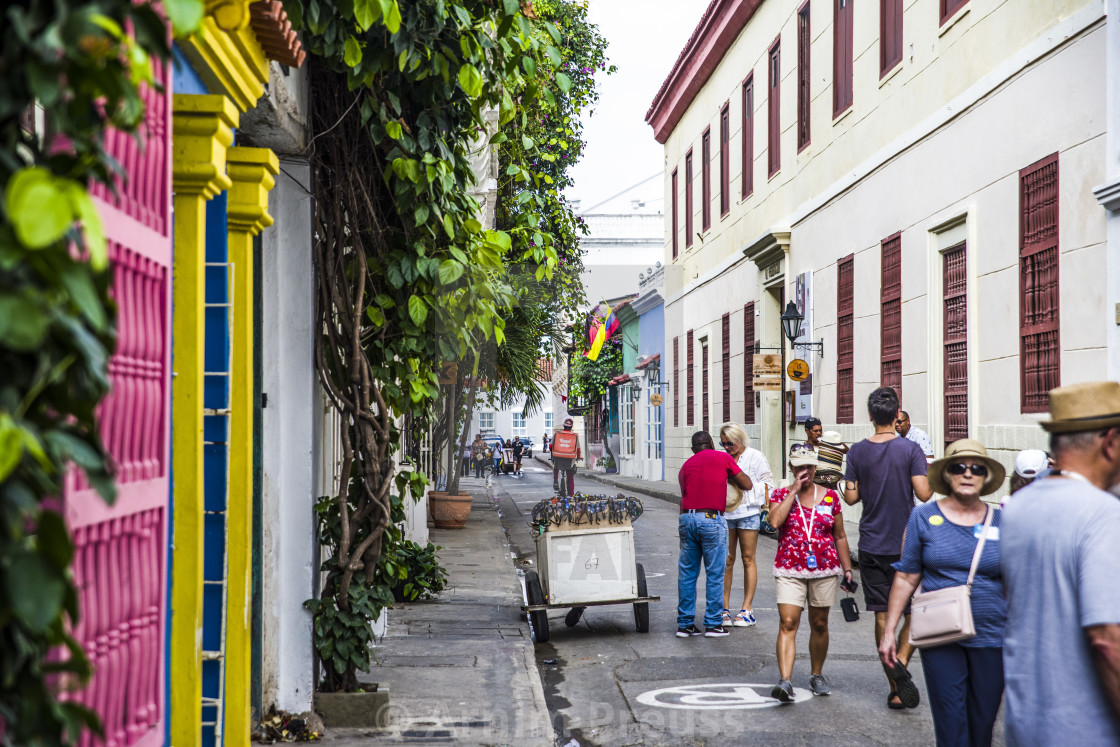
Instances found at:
x=663 y=489
x=461 y=668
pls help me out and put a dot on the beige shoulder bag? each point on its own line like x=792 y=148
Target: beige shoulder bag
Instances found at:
x=945 y=616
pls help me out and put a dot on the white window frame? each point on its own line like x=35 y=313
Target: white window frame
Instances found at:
x=520 y=425
x=486 y=421
x=548 y=422
x=653 y=424
x=626 y=408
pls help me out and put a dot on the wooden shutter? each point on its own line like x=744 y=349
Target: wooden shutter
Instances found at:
x=949 y=8
x=1039 y=365
x=690 y=381
x=675 y=206
x=688 y=199
x=704 y=384
x=725 y=342
x=676 y=382
x=890 y=314
x=706 y=180
x=725 y=160
x=748 y=135
x=890 y=35
x=845 y=305
x=773 y=103
x=748 y=364
x=842 y=56
x=956 y=344
x=804 y=39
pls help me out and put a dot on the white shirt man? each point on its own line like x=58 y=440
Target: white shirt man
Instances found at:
x=913 y=433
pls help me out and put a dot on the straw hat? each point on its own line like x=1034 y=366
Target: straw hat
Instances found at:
x=1083 y=407
x=957 y=450
x=830 y=454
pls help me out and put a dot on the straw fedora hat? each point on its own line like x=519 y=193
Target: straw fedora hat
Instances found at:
x=966 y=447
x=1083 y=407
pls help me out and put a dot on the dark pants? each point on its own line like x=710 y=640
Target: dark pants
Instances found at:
x=965 y=689
x=478 y=467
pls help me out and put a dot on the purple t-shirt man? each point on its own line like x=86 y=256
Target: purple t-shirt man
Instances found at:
x=883 y=471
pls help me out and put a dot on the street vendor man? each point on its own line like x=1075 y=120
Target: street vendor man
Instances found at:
x=565 y=453
x=704 y=480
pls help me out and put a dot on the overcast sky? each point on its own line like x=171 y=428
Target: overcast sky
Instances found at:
x=644 y=38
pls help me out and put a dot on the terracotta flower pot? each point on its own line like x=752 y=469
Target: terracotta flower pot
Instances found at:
x=449 y=511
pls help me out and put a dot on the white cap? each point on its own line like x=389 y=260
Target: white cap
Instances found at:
x=1030 y=462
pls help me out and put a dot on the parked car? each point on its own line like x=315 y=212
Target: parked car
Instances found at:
x=527 y=442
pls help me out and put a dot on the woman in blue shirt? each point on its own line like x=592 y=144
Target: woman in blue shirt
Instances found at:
x=937 y=551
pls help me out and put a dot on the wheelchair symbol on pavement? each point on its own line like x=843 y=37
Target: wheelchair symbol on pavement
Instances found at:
x=728 y=696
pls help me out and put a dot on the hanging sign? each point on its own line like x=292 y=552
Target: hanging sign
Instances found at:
x=656 y=399
x=798 y=369
x=767 y=372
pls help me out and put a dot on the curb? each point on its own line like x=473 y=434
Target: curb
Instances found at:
x=663 y=495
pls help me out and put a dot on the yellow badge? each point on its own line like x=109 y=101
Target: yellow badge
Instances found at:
x=828 y=499
x=936 y=520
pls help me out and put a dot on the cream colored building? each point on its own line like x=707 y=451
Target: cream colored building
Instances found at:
x=972 y=123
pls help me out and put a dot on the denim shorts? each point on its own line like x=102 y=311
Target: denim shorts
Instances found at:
x=750 y=523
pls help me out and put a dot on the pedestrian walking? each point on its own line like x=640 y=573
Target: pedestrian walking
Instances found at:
x=1061 y=654
x=913 y=433
x=812 y=557
x=886 y=472
x=1030 y=464
x=479 y=451
x=964 y=679
x=744 y=521
x=518 y=450
x=703 y=533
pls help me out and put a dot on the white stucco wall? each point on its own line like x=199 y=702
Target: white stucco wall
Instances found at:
x=940 y=141
x=290 y=439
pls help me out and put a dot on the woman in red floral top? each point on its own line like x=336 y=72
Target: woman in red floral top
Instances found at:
x=812 y=557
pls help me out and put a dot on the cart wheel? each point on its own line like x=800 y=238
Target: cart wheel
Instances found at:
x=572 y=618
x=538 y=620
x=641 y=609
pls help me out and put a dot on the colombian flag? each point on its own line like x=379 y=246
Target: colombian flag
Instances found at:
x=601 y=332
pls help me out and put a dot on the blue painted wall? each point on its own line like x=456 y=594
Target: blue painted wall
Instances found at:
x=651 y=341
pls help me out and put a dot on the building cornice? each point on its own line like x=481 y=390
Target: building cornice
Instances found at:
x=714 y=34
x=1108 y=195
x=650 y=300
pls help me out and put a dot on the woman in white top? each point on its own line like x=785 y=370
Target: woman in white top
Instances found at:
x=744 y=522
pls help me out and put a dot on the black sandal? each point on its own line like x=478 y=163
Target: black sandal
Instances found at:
x=907 y=690
x=890 y=701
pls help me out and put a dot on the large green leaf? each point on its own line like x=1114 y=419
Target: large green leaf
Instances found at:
x=450 y=271
x=417 y=310
x=185 y=16
x=35 y=590
x=471 y=80
x=366 y=12
x=352 y=56
x=23 y=323
x=40 y=210
x=11 y=446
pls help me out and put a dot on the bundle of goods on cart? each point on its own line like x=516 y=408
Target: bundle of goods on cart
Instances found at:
x=582 y=510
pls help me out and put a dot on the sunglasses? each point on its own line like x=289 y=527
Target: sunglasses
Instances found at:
x=726 y=444
x=959 y=469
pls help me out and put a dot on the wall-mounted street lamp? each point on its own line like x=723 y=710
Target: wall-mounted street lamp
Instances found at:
x=791 y=326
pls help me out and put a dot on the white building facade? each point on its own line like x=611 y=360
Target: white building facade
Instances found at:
x=918 y=178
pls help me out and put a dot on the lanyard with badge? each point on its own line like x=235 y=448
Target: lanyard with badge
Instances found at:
x=811 y=558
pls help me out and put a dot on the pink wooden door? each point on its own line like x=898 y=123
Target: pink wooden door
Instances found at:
x=120 y=563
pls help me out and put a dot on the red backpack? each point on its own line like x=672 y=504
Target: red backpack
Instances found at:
x=565 y=445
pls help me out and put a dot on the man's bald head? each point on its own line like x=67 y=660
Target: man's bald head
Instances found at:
x=701 y=440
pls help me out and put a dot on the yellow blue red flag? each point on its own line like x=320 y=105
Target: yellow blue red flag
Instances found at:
x=600 y=332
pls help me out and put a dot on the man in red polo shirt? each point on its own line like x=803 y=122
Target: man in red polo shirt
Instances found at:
x=703 y=532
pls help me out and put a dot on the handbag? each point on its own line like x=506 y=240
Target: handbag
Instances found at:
x=945 y=616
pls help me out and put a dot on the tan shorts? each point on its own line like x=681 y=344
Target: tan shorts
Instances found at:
x=820 y=592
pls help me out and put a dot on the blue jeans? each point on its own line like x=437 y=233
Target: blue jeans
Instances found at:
x=965 y=687
x=705 y=538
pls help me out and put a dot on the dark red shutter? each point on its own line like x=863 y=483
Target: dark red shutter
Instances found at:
x=1039 y=365
x=845 y=307
x=704 y=385
x=949 y=7
x=689 y=381
x=890 y=35
x=724 y=160
x=688 y=199
x=748 y=135
x=748 y=364
x=706 y=179
x=890 y=314
x=804 y=40
x=773 y=103
x=725 y=342
x=674 y=220
x=956 y=345
x=841 y=56
x=676 y=382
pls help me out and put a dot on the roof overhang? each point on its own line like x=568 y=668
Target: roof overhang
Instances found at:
x=718 y=28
